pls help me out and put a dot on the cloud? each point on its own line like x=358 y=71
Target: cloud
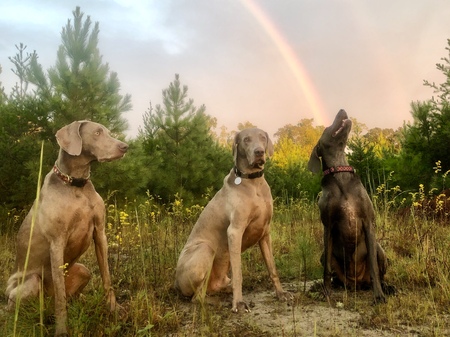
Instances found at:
x=368 y=57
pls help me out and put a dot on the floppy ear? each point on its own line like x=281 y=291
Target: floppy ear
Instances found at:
x=314 y=163
x=269 y=148
x=69 y=139
x=235 y=146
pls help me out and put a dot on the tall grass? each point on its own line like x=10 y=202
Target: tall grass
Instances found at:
x=145 y=238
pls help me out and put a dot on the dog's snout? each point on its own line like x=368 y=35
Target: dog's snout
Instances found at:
x=123 y=147
x=259 y=152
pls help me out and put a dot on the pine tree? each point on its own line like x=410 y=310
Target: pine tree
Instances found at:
x=81 y=86
x=184 y=156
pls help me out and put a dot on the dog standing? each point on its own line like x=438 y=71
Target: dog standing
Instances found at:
x=67 y=217
x=236 y=218
x=350 y=248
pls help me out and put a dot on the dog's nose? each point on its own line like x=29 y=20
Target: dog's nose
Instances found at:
x=259 y=152
x=123 y=147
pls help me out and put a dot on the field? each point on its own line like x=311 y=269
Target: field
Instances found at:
x=146 y=237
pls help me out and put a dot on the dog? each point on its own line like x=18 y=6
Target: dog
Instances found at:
x=351 y=251
x=236 y=218
x=63 y=221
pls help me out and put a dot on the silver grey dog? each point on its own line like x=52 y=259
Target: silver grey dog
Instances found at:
x=67 y=217
x=236 y=218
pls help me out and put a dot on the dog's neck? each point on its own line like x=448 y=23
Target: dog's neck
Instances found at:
x=69 y=173
x=338 y=169
x=339 y=166
x=253 y=175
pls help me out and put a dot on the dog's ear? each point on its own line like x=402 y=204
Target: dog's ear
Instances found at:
x=235 y=146
x=314 y=163
x=69 y=139
x=269 y=148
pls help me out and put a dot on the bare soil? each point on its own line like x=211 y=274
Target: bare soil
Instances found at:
x=309 y=315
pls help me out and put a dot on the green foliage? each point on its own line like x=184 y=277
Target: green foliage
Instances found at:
x=145 y=239
x=24 y=126
x=84 y=86
x=362 y=157
x=183 y=156
x=292 y=181
x=287 y=172
x=2 y=90
x=426 y=139
x=126 y=178
x=78 y=87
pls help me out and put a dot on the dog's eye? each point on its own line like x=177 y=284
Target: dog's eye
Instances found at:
x=98 y=132
x=247 y=139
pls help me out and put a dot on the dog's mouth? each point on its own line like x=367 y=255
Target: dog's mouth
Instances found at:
x=258 y=163
x=108 y=159
x=341 y=123
x=342 y=126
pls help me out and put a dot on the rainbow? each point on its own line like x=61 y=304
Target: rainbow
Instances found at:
x=293 y=62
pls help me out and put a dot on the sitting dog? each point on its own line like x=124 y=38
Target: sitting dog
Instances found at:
x=60 y=226
x=236 y=218
x=351 y=251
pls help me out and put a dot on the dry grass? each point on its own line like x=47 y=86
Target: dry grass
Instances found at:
x=145 y=239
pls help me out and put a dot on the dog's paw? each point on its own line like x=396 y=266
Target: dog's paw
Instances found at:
x=379 y=299
x=388 y=289
x=285 y=296
x=240 y=307
x=319 y=292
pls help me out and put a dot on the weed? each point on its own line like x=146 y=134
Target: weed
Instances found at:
x=145 y=238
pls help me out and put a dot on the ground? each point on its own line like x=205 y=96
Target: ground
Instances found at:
x=308 y=317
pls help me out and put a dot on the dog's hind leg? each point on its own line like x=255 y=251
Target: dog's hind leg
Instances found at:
x=194 y=269
x=77 y=278
x=22 y=291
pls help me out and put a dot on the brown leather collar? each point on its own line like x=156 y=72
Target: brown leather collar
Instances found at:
x=337 y=169
x=77 y=182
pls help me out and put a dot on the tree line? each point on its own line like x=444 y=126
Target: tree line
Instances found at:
x=176 y=153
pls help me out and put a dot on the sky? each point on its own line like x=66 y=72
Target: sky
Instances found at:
x=268 y=62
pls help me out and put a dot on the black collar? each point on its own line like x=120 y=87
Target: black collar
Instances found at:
x=77 y=182
x=337 y=169
x=253 y=175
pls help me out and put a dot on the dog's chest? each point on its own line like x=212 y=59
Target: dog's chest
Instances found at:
x=346 y=223
x=83 y=214
x=257 y=226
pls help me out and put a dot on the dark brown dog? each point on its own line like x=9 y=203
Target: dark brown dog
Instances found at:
x=350 y=248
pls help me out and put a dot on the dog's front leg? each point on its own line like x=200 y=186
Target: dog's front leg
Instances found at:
x=265 y=244
x=328 y=252
x=101 y=251
x=58 y=269
x=371 y=245
x=234 y=233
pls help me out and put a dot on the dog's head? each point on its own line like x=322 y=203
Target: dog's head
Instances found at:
x=250 y=148
x=331 y=145
x=90 y=139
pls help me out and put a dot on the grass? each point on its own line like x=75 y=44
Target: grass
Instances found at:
x=146 y=237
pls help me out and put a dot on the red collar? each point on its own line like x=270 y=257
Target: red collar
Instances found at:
x=337 y=169
x=77 y=182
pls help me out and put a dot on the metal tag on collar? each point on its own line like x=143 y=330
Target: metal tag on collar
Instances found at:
x=237 y=180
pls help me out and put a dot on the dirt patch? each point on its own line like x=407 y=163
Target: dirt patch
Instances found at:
x=306 y=317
